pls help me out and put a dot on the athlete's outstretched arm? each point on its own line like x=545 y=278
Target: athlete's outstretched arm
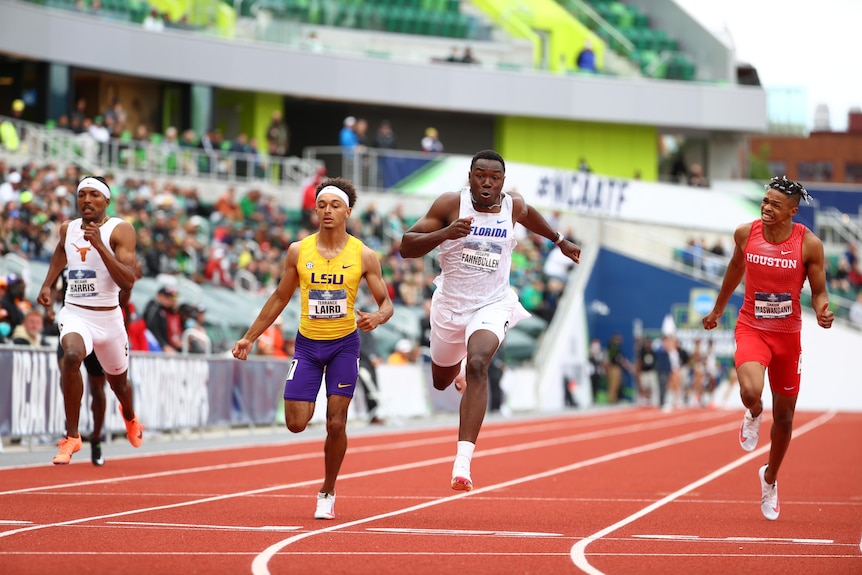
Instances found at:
x=55 y=268
x=374 y=278
x=533 y=220
x=812 y=255
x=732 y=276
x=274 y=305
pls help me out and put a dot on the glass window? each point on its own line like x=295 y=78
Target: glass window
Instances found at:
x=853 y=172
x=817 y=171
x=777 y=168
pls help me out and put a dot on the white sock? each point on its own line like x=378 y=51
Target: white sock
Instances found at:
x=465 y=454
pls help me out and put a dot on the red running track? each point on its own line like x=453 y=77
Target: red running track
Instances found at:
x=620 y=491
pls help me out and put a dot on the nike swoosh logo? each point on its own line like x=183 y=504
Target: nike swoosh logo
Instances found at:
x=784 y=253
x=343 y=385
x=501 y=221
x=345 y=267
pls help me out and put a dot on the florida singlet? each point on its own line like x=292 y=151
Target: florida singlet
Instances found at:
x=480 y=262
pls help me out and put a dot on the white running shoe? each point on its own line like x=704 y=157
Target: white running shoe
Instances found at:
x=769 y=496
x=325 y=506
x=750 y=431
x=461 y=480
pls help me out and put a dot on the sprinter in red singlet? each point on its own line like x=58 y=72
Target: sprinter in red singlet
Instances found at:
x=776 y=255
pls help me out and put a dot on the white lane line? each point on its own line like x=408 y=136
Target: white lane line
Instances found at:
x=331 y=553
x=578 y=553
x=731 y=555
x=260 y=564
x=461 y=532
x=735 y=539
x=377 y=471
x=495 y=429
x=14 y=522
x=204 y=526
x=410 y=444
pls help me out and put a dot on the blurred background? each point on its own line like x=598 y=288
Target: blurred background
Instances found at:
x=636 y=127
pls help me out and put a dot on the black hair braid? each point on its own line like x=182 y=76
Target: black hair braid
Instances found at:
x=789 y=187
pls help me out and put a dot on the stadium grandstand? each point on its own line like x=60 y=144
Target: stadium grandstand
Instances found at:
x=211 y=119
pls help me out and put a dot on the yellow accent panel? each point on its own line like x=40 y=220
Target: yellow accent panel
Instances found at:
x=611 y=149
x=226 y=21
x=239 y=105
x=566 y=34
x=264 y=105
x=175 y=9
x=252 y=109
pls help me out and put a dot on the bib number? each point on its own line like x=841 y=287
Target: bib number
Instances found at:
x=772 y=305
x=327 y=304
x=82 y=283
x=483 y=256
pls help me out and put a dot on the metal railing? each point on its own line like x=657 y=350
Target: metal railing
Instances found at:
x=157 y=158
x=372 y=169
x=844 y=228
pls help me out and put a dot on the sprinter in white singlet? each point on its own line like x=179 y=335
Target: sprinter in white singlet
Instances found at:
x=473 y=305
x=100 y=254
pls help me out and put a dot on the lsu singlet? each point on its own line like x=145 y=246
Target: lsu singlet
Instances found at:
x=478 y=264
x=89 y=282
x=328 y=289
x=774 y=274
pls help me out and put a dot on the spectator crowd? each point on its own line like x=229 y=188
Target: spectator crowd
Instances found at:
x=238 y=235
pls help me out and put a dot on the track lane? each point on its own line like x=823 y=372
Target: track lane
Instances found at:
x=531 y=515
x=699 y=520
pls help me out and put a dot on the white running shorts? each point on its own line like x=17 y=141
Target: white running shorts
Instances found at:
x=450 y=331
x=102 y=331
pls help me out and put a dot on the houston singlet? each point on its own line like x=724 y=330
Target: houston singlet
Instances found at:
x=328 y=289
x=774 y=274
x=480 y=262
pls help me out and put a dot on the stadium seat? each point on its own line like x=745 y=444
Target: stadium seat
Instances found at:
x=369 y=17
x=412 y=20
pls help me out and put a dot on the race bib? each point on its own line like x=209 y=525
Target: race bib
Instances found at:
x=327 y=304
x=772 y=305
x=82 y=283
x=483 y=256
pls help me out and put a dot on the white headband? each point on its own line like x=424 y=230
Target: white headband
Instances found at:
x=95 y=184
x=335 y=191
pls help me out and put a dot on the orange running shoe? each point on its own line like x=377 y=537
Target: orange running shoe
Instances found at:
x=68 y=446
x=134 y=430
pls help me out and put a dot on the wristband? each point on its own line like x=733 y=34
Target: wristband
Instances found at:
x=559 y=239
